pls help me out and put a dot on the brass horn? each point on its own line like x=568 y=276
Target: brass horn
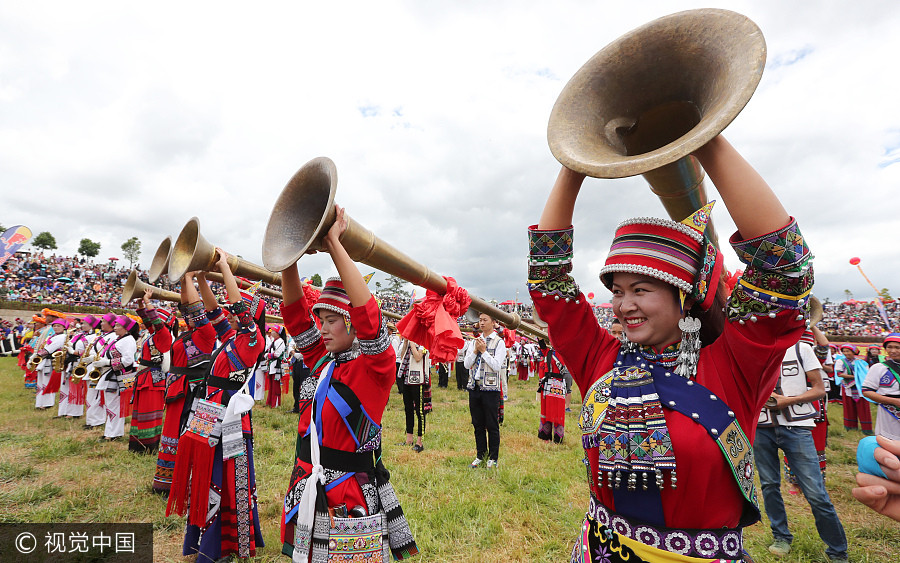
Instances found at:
x=646 y=101
x=816 y=310
x=192 y=252
x=160 y=263
x=134 y=289
x=303 y=213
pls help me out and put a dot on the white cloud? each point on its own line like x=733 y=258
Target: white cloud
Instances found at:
x=122 y=120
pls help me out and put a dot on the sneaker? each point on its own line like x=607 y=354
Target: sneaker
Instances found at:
x=476 y=463
x=492 y=464
x=780 y=548
x=839 y=560
x=419 y=448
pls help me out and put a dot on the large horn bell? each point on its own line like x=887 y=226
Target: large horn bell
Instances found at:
x=649 y=99
x=160 y=264
x=192 y=252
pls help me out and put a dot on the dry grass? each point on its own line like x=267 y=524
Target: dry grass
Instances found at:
x=51 y=470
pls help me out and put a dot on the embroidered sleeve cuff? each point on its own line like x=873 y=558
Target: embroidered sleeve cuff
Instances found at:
x=306 y=339
x=784 y=250
x=194 y=312
x=779 y=275
x=549 y=254
x=379 y=344
x=219 y=321
x=241 y=310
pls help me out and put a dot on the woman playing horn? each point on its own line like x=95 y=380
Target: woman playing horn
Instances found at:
x=218 y=471
x=352 y=363
x=699 y=392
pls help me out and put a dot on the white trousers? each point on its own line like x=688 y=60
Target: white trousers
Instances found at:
x=115 y=424
x=259 y=389
x=96 y=413
x=41 y=400
x=63 y=409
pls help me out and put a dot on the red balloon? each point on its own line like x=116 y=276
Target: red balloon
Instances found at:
x=854 y=261
x=591 y=295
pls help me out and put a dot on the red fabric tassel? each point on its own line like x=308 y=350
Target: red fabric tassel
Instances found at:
x=193 y=471
x=432 y=322
x=509 y=337
x=53 y=386
x=77 y=392
x=125 y=402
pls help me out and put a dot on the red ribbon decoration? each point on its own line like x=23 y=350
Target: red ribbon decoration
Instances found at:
x=431 y=323
x=312 y=295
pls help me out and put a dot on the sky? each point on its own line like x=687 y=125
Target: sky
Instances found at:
x=122 y=119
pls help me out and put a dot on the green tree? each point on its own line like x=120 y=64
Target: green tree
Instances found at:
x=44 y=241
x=89 y=248
x=131 y=248
x=885 y=294
x=395 y=287
x=316 y=280
x=848 y=295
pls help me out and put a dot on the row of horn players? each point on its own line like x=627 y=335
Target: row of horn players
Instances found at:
x=303 y=213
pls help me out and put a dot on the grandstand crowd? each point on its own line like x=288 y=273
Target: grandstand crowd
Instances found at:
x=71 y=280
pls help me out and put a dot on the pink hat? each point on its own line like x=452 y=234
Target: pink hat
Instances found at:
x=334 y=298
x=125 y=322
x=61 y=321
x=110 y=318
x=91 y=321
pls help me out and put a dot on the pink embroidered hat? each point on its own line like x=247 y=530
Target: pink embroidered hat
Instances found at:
x=334 y=298
x=125 y=322
x=110 y=318
x=91 y=321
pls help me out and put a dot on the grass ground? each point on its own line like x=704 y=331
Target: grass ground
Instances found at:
x=51 y=470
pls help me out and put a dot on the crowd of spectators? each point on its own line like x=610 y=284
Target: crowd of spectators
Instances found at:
x=859 y=318
x=54 y=280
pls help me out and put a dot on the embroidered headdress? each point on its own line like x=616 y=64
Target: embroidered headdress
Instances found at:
x=892 y=337
x=255 y=304
x=167 y=317
x=334 y=298
x=678 y=253
x=52 y=313
x=61 y=321
x=110 y=318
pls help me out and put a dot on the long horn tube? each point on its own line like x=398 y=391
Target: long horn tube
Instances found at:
x=193 y=252
x=652 y=97
x=134 y=289
x=303 y=214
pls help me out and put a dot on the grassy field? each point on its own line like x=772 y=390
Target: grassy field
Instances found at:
x=51 y=470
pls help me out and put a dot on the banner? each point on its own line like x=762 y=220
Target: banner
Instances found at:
x=13 y=239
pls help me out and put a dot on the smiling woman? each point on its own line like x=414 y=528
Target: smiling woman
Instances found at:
x=684 y=409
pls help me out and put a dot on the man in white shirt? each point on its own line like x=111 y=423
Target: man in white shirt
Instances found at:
x=485 y=360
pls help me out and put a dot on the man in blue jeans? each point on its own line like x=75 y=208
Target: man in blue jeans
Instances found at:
x=786 y=423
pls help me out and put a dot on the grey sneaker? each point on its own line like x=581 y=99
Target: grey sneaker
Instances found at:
x=491 y=464
x=780 y=548
x=477 y=463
